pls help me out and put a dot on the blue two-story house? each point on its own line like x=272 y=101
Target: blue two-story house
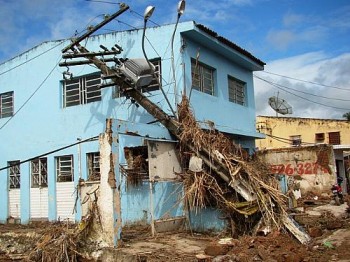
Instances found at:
x=51 y=118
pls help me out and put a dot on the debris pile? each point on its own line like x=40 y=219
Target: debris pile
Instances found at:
x=63 y=241
x=240 y=186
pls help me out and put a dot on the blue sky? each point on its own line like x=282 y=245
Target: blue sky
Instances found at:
x=307 y=40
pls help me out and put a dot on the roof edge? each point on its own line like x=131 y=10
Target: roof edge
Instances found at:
x=229 y=43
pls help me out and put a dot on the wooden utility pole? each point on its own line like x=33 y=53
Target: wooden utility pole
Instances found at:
x=174 y=127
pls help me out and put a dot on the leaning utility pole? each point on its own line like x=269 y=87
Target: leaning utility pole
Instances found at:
x=120 y=77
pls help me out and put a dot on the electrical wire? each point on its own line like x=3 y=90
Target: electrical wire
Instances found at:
x=36 y=90
x=305 y=81
x=287 y=140
x=51 y=152
x=309 y=100
x=133 y=11
x=296 y=90
x=104 y=2
x=34 y=57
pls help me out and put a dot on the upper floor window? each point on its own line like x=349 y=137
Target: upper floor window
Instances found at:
x=64 y=168
x=39 y=172
x=334 y=138
x=236 y=91
x=93 y=161
x=153 y=86
x=6 y=104
x=15 y=174
x=82 y=90
x=319 y=137
x=202 y=77
x=295 y=140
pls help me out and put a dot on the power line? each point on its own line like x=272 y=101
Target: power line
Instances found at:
x=51 y=152
x=104 y=2
x=304 y=98
x=36 y=90
x=307 y=93
x=305 y=81
x=133 y=11
x=34 y=57
x=286 y=140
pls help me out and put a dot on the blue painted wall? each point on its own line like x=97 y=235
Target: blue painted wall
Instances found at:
x=43 y=124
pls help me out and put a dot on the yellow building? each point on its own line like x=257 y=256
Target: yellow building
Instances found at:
x=282 y=132
x=295 y=131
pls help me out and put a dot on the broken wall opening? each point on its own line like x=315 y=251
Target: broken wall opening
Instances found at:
x=136 y=168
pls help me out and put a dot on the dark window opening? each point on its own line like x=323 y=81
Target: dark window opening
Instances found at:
x=319 y=137
x=93 y=162
x=136 y=167
x=296 y=140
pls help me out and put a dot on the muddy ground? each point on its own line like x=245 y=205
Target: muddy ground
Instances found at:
x=327 y=224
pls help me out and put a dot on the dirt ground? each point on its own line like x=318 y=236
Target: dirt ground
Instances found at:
x=327 y=224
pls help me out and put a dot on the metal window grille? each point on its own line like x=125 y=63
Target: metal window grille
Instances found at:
x=64 y=168
x=39 y=172
x=153 y=86
x=93 y=160
x=202 y=78
x=236 y=91
x=82 y=90
x=334 y=138
x=15 y=174
x=6 y=104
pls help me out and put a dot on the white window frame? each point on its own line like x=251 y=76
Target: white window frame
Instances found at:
x=236 y=91
x=82 y=90
x=93 y=165
x=202 y=77
x=38 y=172
x=65 y=168
x=14 y=174
x=6 y=104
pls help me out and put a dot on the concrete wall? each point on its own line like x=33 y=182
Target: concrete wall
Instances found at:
x=313 y=167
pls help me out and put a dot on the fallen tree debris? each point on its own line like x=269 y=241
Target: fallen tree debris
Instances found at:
x=239 y=185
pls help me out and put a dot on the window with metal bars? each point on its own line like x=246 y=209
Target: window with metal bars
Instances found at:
x=202 y=77
x=39 y=172
x=14 y=174
x=334 y=138
x=64 y=168
x=93 y=161
x=236 y=91
x=6 y=104
x=82 y=90
x=153 y=86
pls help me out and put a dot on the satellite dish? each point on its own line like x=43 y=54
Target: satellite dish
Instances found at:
x=280 y=105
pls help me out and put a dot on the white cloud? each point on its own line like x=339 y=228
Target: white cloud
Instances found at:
x=291 y=19
x=313 y=67
x=281 y=39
